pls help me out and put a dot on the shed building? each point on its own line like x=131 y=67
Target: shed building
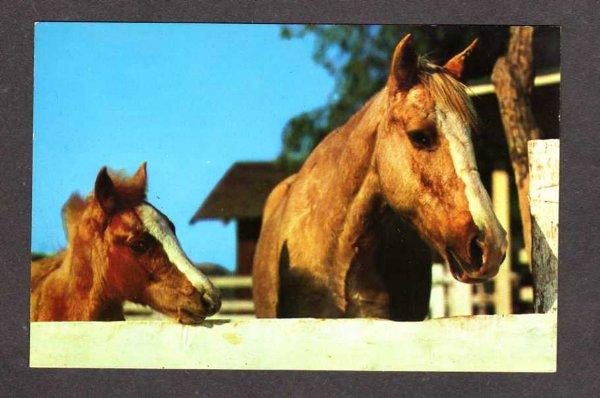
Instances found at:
x=240 y=195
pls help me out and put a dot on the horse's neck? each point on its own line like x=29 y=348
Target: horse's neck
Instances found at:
x=44 y=267
x=355 y=167
x=345 y=157
x=84 y=293
x=357 y=239
x=353 y=187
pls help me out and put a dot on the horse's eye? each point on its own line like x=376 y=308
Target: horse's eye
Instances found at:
x=140 y=245
x=422 y=139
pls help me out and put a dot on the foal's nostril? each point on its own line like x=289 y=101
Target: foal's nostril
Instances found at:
x=211 y=303
x=476 y=252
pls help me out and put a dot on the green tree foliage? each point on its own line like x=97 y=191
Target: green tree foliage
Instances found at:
x=358 y=57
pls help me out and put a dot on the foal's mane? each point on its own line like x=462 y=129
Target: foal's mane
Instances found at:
x=86 y=218
x=71 y=213
x=130 y=194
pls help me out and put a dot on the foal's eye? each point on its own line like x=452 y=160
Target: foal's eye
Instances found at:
x=140 y=245
x=422 y=139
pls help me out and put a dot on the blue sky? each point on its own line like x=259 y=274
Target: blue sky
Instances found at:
x=190 y=99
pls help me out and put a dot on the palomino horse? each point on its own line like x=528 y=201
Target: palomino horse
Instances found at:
x=322 y=251
x=119 y=248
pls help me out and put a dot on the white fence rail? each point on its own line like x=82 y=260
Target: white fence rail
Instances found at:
x=513 y=343
x=232 y=282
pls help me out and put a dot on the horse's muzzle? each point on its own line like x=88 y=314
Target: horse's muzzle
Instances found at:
x=482 y=263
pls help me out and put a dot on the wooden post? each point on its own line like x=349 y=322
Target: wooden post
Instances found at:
x=513 y=80
x=544 y=170
x=501 y=202
x=247 y=231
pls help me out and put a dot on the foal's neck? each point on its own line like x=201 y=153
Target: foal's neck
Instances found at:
x=87 y=295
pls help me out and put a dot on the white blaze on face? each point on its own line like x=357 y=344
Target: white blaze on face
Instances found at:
x=159 y=228
x=458 y=135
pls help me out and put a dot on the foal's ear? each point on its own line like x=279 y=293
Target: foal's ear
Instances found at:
x=455 y=66
x=139 y=179
x=403 y=70
x=104 y=191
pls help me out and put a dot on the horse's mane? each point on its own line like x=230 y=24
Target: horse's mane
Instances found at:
x=129 y=191
x=447 y=92
x=71 y=213
x=43 y=267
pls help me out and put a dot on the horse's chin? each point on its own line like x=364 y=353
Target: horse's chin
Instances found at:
x=187 y=317
x=458 y=268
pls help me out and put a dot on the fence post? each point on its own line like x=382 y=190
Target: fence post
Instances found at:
x=543 y=194
x=437 y=299
x=460 y=298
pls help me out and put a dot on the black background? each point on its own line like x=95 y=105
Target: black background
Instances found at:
x=579 y=282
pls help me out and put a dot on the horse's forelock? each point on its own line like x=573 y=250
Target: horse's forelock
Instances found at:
x=447 y=92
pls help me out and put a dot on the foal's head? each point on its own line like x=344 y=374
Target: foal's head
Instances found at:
x=137 y=254
x=426 y=163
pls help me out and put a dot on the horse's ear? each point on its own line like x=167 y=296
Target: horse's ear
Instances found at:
x=104 y=191
x=403 y=70
x=455 y=65
x=139 y=179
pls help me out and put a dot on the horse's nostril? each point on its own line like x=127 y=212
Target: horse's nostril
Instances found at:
x=502 y=258
x=476 y=252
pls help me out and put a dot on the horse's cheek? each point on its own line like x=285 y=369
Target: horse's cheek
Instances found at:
x=122 y=270
x=395 y=175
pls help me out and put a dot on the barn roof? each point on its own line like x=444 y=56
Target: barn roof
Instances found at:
x=241 y=192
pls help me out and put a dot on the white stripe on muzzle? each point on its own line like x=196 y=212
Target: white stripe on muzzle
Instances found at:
x=159 y=228
x=463 y=157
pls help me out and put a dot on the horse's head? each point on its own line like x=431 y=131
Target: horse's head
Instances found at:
x=143 y=259
x=426 y=163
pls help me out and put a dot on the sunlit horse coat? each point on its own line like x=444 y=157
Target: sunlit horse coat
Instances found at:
x=332 y=244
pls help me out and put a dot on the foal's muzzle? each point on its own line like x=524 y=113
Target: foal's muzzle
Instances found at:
x=198 y=306
x=211 y=302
